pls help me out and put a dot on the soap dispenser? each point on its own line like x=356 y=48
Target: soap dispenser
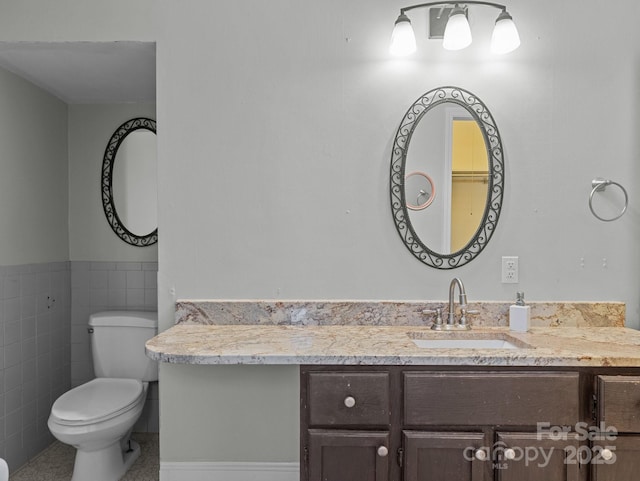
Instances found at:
x=519 y=315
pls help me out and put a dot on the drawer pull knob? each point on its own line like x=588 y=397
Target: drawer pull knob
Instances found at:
x=349 y=401
x=509 y=454
x=383 y=451
x=480 y=454
x=606 y=454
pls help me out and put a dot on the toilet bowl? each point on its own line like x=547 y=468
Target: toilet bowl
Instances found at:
x=4 y=470
x=96 y=418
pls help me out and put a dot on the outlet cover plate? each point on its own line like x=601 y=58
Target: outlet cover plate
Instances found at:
x=509 y=269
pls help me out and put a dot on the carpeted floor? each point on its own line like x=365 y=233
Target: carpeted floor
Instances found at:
x=56 y=462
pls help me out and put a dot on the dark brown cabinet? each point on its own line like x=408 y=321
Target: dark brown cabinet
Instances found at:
x=336 y=455
x=347 y=417
x=538 y=457
x=616 y=452
x=617 y=460
x=486 y=400
x=618 y=400
x=444 y=455
x=397 y=423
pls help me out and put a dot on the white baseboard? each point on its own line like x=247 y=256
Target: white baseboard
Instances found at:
x=177 y=471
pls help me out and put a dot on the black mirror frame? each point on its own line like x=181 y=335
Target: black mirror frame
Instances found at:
x=495 y=191
x=107 y=182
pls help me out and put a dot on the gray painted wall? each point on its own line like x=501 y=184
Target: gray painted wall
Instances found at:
x=33 y=177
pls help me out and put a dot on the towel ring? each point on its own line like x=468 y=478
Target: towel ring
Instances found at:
x=599 y=185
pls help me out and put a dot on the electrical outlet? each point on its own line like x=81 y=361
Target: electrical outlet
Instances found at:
x=509 y=269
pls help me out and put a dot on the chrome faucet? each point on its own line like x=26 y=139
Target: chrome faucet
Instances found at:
x=451 y=321
x=438 y=324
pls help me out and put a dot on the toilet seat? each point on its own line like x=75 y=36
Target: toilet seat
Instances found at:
x=98 y=400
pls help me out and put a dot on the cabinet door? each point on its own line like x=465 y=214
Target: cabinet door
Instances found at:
x=620 y=463
x=443 y=456
x=538 y=457
x=336 y=455
x=618 y=400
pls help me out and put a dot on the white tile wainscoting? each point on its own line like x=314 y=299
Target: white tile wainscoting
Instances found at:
x=35 y=355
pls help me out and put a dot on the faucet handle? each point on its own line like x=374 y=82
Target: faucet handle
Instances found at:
x=437 y=324
x=463 y=317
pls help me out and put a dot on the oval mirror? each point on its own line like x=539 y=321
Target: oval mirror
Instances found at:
x=129 y=182
x=451 y=134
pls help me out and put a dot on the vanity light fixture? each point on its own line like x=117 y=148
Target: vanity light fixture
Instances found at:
x=457 y=33
x=403 y=40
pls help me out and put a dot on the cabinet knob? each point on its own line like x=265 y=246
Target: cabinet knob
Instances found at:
x=606 y=454
x=382 y=451
x=480 y=454
x=349 y=401
x=509 y=454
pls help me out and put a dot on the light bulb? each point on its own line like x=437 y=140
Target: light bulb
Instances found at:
x=403 y=40
x=457 y=33
x=505 y=36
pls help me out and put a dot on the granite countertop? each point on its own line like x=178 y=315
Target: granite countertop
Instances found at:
x=390 y=345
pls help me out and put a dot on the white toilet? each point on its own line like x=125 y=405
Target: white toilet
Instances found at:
x=98 y=416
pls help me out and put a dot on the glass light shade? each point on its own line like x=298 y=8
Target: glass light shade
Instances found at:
x=457 y=33
x=505 y=36
x=403 y=40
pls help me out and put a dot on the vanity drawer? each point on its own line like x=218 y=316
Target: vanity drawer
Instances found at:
x=619 y=402
x=348 y=398
x=490 y=398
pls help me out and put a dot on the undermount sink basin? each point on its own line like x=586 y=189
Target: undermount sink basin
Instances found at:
x=467 y=340
x=464 y=344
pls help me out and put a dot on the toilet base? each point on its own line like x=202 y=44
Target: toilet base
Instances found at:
x=106 y=464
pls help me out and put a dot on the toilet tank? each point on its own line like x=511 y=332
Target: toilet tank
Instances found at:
x=117 y=344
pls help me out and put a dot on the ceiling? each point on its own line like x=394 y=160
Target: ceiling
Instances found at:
x=86 y=72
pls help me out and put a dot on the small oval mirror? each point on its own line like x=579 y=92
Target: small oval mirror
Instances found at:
x=454 y=137
x=129 y=182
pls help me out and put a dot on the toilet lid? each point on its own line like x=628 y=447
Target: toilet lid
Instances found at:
x=97 y=400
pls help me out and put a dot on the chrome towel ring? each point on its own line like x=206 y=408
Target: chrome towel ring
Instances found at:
x=599 y=185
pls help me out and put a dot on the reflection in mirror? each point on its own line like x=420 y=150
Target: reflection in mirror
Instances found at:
x=452 y=136
x=469 y=180
x=419 y=186
x=135 y=190
x=129 y=176
x=449 y=143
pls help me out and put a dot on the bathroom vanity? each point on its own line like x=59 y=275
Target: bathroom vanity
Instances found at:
x=376 y=404
x=417 y=423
